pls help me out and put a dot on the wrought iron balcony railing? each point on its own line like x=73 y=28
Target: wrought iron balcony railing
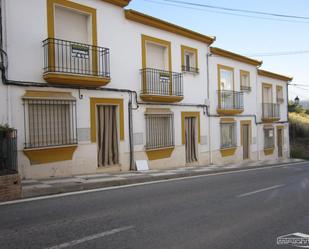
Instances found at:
x=270 y=111
x=70 y=57
x=190 y=69
x=161 y=82
x=230 y=100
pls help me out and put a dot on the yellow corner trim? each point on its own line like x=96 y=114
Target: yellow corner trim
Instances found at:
x=229 y=112
x=233 y=56
x=49 y=155
x=227 y=120
x=161 y=98
x=120 y=3
x=228 y=152
x=93 y=119
x=270 y=120
x=274 y=75
x=32 y=94
x=191 y=50
x=163 y=25
x=71 y=79
x=187 y=115
x=159 y=153
x=269 y=151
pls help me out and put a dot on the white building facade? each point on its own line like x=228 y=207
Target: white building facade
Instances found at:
x=92 y=87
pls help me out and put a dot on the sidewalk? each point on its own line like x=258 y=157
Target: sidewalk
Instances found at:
x=33 y=188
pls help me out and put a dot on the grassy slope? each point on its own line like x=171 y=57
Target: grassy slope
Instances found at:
x=299 y=135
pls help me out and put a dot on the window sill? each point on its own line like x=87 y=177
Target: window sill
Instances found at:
x=228 y=151
x=160 y=153
x=269 y=151
x=190 y=72
x=50 y=154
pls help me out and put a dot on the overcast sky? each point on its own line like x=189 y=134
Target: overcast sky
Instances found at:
x=246 y=35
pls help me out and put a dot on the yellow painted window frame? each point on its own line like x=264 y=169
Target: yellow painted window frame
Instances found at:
x=51 y=26
x=185 y=49
x=226 y=152
x=190 y=115
x=243 y=72
x=219 y=67
x=94 y=102
x=269 y=151
x=278 y=88
x=154 y=40
x=267 y=85
x=167 y=44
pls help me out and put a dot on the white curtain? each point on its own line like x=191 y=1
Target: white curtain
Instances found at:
x=107 y=136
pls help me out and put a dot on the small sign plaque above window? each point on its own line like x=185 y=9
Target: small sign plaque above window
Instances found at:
x=79 y=51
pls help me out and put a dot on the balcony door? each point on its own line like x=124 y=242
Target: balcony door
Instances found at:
x=72 y=33
x=157 y=61
x=226 y=87
x=267 y=99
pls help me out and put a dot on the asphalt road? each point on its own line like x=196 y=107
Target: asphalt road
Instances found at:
x=247 y=209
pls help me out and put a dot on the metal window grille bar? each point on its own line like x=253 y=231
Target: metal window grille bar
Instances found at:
x=8 y=150
x=161 y=82
x=49 y=122
x=159 y=131
x=268 y=139
x=70 y=57
x=228 y=135
x=231 y=100
x=270 y=110
x=186 y=68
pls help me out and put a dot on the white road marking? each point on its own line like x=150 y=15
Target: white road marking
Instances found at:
x=141 y=184
x=91 y=237
x=260 y=190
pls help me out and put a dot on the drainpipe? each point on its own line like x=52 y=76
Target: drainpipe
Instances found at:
x=207 y=108
x=3 y=61
x=131 y=143
x=257 y=126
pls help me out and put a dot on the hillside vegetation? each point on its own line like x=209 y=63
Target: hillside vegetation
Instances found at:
x=299 y=134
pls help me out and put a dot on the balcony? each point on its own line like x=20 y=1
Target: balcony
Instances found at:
x=188 y=69
x=161 y=86
x=270 y=112
x=230 y=102
x=73 y=63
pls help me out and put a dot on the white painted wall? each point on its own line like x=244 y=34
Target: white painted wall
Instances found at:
x=25 y=34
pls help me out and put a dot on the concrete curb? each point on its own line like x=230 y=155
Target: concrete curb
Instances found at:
x=139 y=179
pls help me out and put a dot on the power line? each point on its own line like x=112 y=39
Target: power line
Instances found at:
x=225 y=13
x=282 y=53
x=238 y=10
x=296 y=85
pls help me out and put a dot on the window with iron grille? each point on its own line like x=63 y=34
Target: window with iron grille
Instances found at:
x=49 y=122
x=159 y=130
x=269 y=137
x=228 y=135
